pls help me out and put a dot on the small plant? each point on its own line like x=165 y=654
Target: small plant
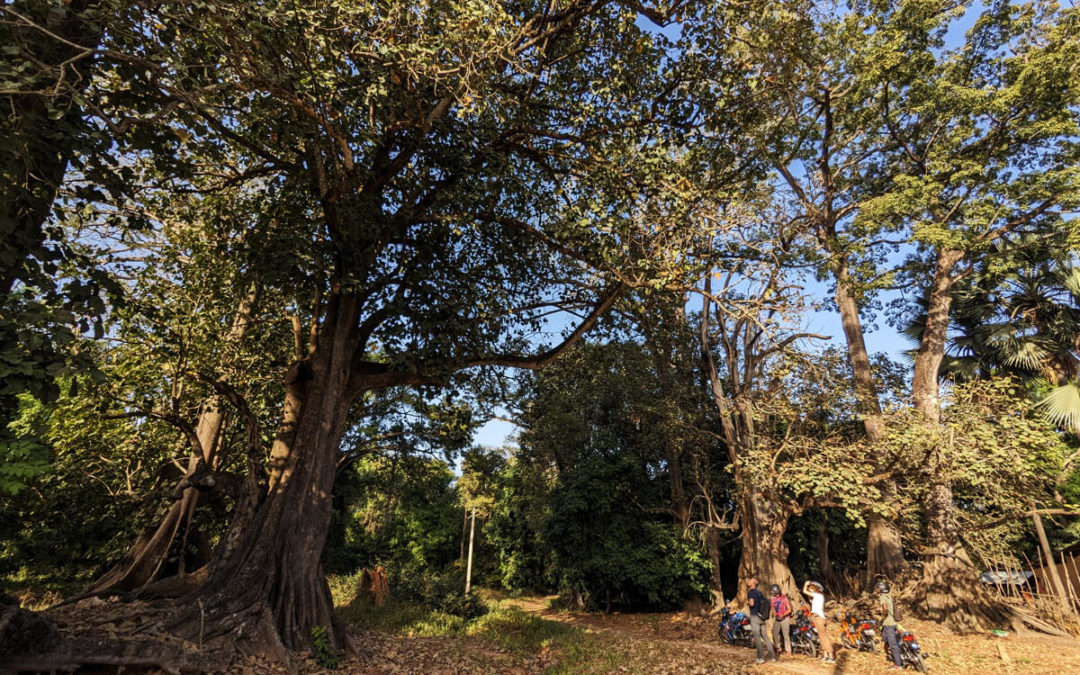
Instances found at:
x=325 y=655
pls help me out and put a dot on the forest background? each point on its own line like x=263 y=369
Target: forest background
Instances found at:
x=267 y=266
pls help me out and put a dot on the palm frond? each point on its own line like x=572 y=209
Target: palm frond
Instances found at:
x=1071 y=280
x=1062 y=405
x=1028 y=354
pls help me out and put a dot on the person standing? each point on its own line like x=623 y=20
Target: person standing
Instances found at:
x=759 y=614
x=889 y=624
x=816 y=593
x=781 y=611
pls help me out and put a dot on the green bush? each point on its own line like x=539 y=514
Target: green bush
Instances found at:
x=607 y=555
x=442 y=592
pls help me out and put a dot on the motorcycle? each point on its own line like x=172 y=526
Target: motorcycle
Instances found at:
x=909 y=651
x=804 y=637
x=735 y=628
x=857 y=633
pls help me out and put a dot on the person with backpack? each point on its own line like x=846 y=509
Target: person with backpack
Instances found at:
x=890 y=622
x=759 y=614
x=781 y=611
x=816 y=593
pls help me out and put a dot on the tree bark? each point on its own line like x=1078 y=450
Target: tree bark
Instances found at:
x=824 y=562
x=145 y=562
x=712 y=550
x=764 y=551
x=884 y=548
x=472 y=537
x=949 y=590
x=269 y=592
x=464 y=532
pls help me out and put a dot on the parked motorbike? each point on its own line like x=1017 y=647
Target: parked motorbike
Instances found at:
x=804 y=637
x=856 y=633
x=909 y=651
x=735 y=628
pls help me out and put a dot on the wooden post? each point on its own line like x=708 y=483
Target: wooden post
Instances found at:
x=1048 y=556
x=1042 y=568
x=468 y=568
x=464 y=529
x=1076 y=572
x=1035 y=578
x=1068 y=582
x=1012 y=576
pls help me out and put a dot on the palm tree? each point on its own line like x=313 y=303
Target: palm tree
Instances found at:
x=1018 y=312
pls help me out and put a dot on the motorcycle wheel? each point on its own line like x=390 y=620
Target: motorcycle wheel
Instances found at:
x=846 y=642
x=724 y=637
x=809 y=647
x=912 y=658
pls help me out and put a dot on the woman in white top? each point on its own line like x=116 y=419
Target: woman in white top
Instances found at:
x=816 y=593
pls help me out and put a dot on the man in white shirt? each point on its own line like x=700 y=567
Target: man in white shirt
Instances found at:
x=816 y=593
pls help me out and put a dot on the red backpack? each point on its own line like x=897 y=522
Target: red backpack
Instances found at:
x=781 y=607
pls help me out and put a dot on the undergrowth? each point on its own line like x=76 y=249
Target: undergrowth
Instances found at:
x=504 y=626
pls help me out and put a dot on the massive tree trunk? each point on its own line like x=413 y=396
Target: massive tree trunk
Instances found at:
x=884 y=548
x=949 y=590
x=43 y=144
x=764 y=551
x=269 y=592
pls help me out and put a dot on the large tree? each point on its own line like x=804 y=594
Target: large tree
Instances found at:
x=468 y=169
x=983 y=145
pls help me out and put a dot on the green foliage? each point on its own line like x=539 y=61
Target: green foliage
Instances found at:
x=400 y=511
x=607 y=554
x=573 y=506
x=325 y=656
x=439 y=591
x=998 y=453
x=516 y=527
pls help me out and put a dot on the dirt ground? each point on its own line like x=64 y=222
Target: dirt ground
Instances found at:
x=682 y=643
x=945 y=652
x=678 y=643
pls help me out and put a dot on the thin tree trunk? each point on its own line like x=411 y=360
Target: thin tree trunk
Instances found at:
x=712 y=550
x=662 y=350
x=464 y=532
x=824 y=562
x=468 y=568
x=884 y=548
x=949 y=590
x=144 y=562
